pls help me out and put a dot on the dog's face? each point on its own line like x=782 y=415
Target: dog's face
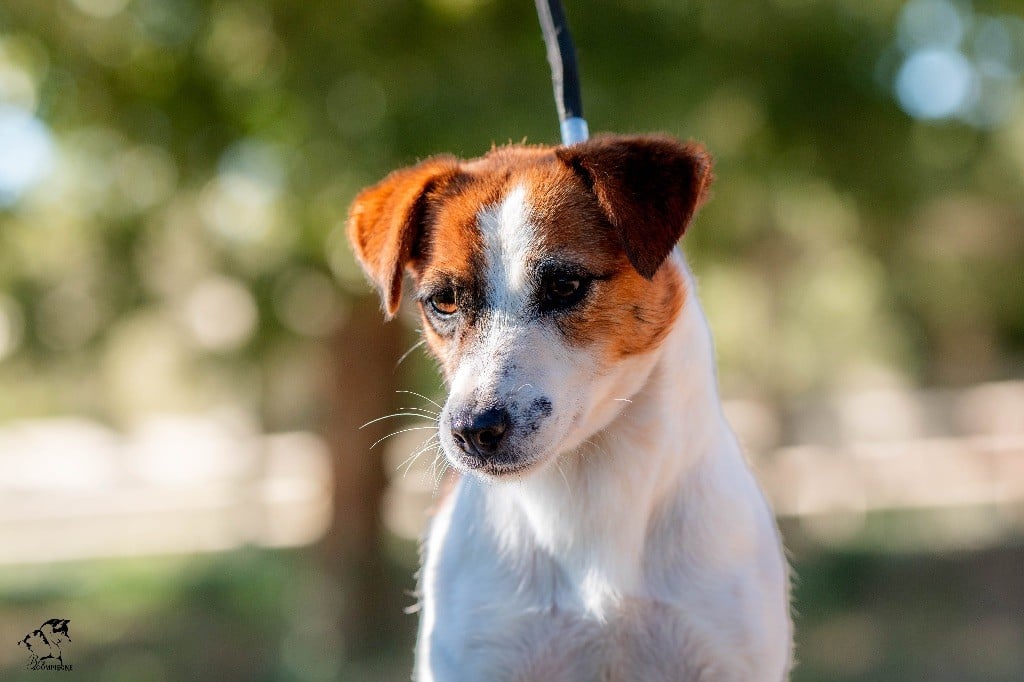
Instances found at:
x=538 y=277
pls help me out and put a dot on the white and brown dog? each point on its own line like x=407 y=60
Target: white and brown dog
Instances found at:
x=607 y=526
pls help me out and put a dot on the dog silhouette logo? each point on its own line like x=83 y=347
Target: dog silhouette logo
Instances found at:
x=47 y=645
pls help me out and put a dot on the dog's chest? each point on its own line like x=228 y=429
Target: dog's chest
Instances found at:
x=486 y=618
x=502 y=602
x=638 y=640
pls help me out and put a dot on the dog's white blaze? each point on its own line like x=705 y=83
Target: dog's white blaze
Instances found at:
x=508 y=239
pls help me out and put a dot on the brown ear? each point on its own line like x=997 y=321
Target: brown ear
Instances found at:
x=649 y=188
x=385 y=222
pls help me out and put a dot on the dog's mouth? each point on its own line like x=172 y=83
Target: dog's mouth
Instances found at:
x=506 y=464
x=500 y=469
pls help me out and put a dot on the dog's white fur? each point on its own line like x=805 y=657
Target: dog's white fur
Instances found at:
x=638 y=546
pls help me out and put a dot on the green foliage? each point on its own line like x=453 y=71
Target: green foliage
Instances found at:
x=207 y=152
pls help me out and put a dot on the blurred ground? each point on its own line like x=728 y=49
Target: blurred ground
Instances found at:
x=905 y=569
x=261 y=615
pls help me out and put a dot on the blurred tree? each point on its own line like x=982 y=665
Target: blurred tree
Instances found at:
x=362 y=386
x=225 y=139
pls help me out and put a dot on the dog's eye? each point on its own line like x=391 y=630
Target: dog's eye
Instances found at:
x=562 y=291
x=444 y=303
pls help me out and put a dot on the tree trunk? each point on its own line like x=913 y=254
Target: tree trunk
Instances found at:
x=360 y=386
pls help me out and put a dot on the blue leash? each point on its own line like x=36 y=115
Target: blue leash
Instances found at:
x=564 y=73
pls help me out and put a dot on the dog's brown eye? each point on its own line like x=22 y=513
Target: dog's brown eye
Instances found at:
x=562 y=287
x=444 y=303
x=562 y=291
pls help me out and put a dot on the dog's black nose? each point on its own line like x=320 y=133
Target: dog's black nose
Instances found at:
x=480 y=434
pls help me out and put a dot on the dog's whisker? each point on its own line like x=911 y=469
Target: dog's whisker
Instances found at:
x=420 y=395
x=622 y=400
x=427 y=442
x=437 y=473
x=395 y=433
x=393 y=415
x=592 y=442
x=409 y=352
x=431 y=470
x=432 y=413
x=521 y=388
x=440 y=476
x=565 y=479
x=411 y=459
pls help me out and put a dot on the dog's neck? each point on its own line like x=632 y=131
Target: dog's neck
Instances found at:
x=592 y=509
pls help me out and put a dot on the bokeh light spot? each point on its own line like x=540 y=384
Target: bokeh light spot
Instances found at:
x=146 y=175
x=935 y=83
x=220 y=313
x=28 y=153
x=101 y=9
x=307 y=302
x=16 y=84
x=239 y=204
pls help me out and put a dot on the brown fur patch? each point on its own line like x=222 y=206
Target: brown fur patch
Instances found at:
x=632 y=314
x=649 y=187
x=385 y=220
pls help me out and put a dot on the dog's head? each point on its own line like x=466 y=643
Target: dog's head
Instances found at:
x=538 y=274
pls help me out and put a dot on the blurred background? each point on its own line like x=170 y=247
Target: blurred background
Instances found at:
x=187 y=349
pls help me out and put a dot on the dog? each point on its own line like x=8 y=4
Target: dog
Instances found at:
x=44 y=643
x=605 y=525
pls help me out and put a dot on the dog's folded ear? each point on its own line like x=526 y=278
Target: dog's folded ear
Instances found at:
x=386 y=221
x=647 y=186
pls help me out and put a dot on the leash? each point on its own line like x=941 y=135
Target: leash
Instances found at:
x=564 y=73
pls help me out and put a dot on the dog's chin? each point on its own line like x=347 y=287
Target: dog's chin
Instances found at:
x=499 y=471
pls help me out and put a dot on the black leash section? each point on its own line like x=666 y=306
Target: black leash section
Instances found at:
x=564 y=73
